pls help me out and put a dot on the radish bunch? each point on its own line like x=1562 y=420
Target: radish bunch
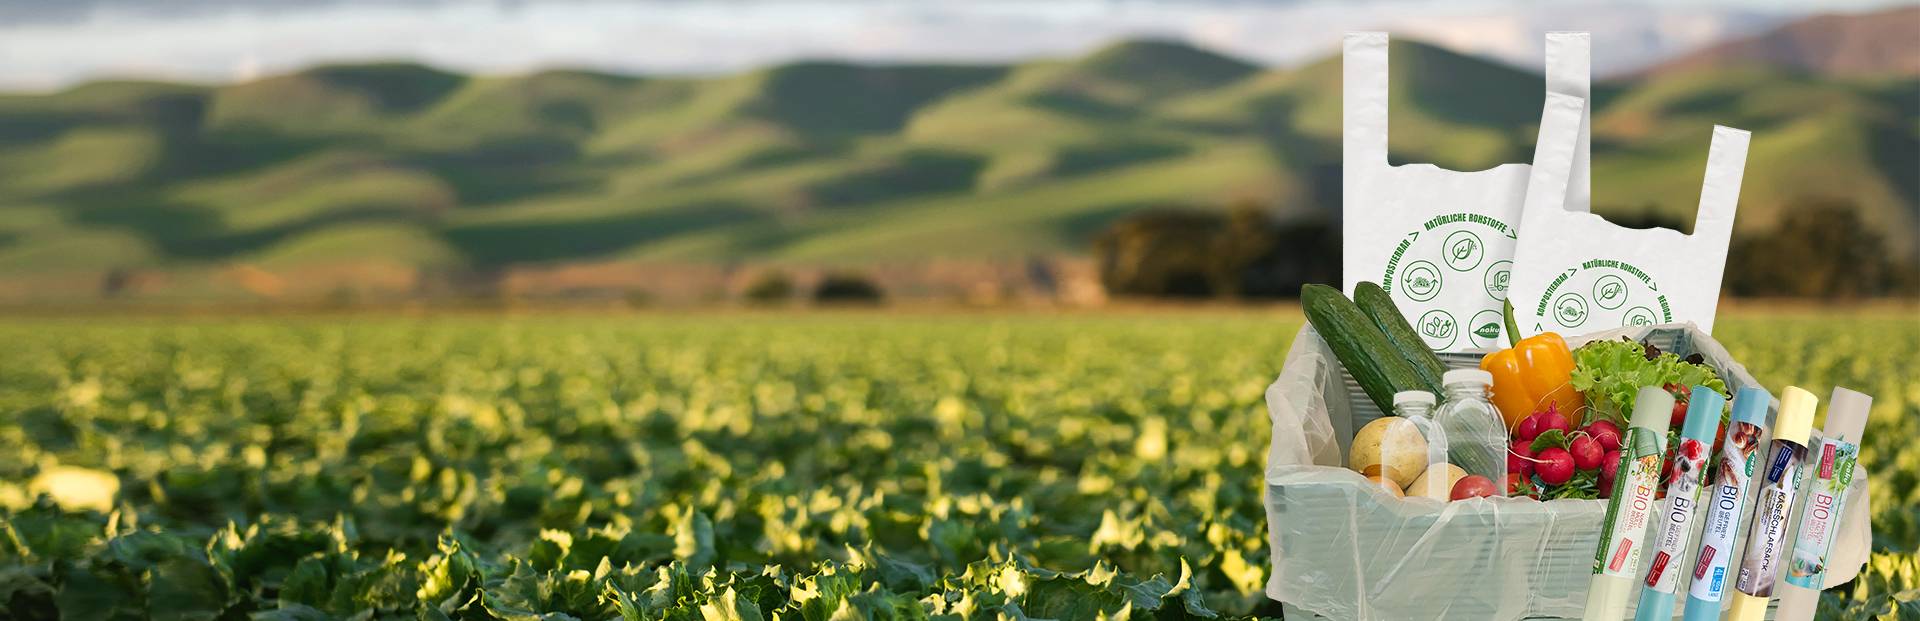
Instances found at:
x=1549 y=459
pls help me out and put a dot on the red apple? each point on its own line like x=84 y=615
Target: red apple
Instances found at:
x=1473 y=486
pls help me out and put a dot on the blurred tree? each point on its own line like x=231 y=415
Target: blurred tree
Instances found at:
x=1819 y=249
x=847 y=288
x=1160 y=253
x=770 y=287
x=116 y=282
x=1190 y=253
x=1646 y=216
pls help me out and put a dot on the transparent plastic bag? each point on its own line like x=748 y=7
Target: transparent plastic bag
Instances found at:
x=1343 y=550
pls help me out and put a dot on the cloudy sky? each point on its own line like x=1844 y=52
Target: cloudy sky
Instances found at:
x=47 y=44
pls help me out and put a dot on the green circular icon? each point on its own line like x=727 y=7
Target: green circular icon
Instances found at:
x=1485 y=329
x=1421 y=281
x=1463 y=251
x=1639 y=316
x=1496 y=279
x=1610 y=292
x=1438 y=329
x=1570 y=310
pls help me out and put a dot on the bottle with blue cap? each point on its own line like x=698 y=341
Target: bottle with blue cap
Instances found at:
x=1726 y=503
x=1675 y=525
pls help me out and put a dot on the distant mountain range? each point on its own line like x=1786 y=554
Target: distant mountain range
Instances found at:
x=1885 y=43
x=826 y=163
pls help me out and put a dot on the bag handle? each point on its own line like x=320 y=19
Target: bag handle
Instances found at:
x=1720 y=192
x=1554 y=156
x=1363 y=97
x=1570 y=71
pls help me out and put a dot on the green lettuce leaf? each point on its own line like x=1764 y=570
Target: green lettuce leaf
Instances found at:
x=1610 y=373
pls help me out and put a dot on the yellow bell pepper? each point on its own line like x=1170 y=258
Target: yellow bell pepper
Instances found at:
x=1535 y=373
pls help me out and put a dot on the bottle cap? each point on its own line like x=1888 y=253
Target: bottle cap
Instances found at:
x=1847 y=415
x=1703 y=413
x=1464 y=376
x=1702 y=610
x=1796 y=602
x=1750 y=406
x=1412 y=397
x=1796 y=415
x=1653 y=409
x=1747 y=608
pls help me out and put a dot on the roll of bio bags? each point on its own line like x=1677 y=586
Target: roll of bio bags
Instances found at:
x=1440 y=242
x=1575 y=272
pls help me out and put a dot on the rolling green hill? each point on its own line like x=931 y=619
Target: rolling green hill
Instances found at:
x=411 y=166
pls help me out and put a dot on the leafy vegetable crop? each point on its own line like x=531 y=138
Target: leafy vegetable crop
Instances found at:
x=745 y=467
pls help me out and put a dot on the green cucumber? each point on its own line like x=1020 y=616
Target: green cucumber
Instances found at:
x=1360 y=346
x=1373 y=301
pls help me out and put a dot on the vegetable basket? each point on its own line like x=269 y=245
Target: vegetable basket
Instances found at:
x=1342 y=549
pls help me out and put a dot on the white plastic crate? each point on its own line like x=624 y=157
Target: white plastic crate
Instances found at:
x=1342 y=550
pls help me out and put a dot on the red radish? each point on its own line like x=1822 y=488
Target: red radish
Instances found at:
x=1609 y=467
x=1518 y=485
x=1554 y=466
x=1473 y=486
x=1529 y=428
x=1606 y=433
x=1520 y=458
x=1552 y=419
x=1586 y=452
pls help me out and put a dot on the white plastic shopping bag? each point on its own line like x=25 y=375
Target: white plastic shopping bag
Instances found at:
x=1575 y=272
x=1441 y=242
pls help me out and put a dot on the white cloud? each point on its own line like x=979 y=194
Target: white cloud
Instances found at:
x=220 y=40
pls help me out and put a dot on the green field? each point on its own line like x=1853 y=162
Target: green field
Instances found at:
x=832 y=466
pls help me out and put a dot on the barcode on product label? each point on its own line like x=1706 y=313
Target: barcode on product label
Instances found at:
x=1706 y=560
x=1620 y=555
x=1659 y=567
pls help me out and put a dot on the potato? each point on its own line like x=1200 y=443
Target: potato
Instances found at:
x=1437 y=482
x=1389 y=446
x=1393 y=489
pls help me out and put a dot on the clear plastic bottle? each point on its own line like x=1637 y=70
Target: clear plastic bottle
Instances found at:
x=1417 y=407
x=1476 y=437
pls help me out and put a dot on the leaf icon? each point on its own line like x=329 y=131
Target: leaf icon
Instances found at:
x=1463 y=249
x=1610 y=291
x=1488 y=331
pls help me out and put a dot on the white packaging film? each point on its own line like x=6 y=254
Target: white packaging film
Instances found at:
x=1440 y=242
x=1575 y=272
x=1342 y=549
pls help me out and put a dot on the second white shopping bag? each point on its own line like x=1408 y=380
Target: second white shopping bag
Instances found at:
x=1578 y=273
x=1439 y=241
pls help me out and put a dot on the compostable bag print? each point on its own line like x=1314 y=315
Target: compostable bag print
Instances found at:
x=1575 y=272
x=1439 y=241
